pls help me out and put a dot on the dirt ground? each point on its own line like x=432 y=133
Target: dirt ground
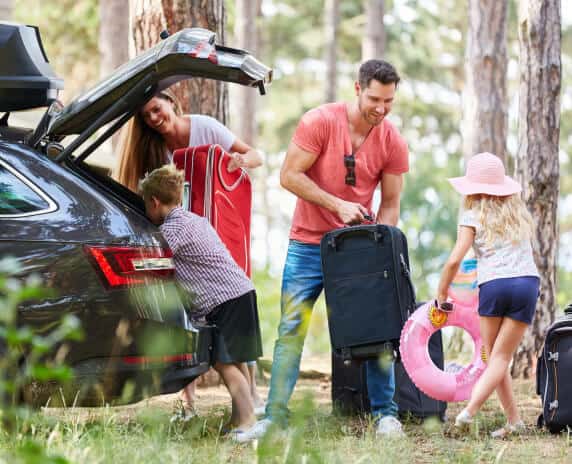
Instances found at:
x=315 y=377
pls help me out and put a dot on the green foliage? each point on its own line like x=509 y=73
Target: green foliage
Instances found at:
x=23 y=353
x=70 y=33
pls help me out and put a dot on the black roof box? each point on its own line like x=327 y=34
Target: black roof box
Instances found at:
x=26 y=79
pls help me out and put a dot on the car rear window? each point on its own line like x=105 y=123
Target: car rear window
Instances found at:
x=18 y=197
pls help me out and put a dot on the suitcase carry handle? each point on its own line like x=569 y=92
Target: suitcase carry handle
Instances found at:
x=242 y=175
x=337 y=236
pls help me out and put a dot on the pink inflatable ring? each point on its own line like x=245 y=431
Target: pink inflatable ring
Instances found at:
x=413 y=347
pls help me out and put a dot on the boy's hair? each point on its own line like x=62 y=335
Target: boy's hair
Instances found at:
x=379 y=70
x=505 y=218
x=164 y=183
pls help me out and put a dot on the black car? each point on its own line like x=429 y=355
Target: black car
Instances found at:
x=84 y=234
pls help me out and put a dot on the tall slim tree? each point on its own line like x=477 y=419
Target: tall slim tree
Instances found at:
x=485 y=115
x=244 y=108
x=246 y=36
x=113 y=38
x=150 y=17
x=537 y=165
x=113 y=34
x=6 y=9
x=332 y=21
x=373 y=44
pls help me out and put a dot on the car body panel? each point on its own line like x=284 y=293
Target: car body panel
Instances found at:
x=118 y=324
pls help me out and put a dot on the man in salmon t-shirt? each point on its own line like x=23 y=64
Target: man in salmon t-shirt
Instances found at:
x=338 y=156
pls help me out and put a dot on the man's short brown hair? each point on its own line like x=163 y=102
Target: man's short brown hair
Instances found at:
x=378 y=70
x=165 y=184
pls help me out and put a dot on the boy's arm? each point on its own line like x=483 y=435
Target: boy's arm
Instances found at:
x=465 y=239
x=172 y=238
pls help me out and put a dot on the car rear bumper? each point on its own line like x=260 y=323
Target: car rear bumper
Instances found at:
x=126 y=379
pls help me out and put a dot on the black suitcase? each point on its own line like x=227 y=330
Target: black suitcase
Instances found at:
x=349 y=387
x=554 y=375
x=410 y=400
x=369 y=294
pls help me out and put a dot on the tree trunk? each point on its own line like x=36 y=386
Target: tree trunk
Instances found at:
x=246 y=36
x=332 y=21
x=373 y=44
x=148 y=22
x=6 y=10
x=203 y=96
x=485 y=93
x=245 y=101
x=537 y=165
x=113 y=34
x=113 y=39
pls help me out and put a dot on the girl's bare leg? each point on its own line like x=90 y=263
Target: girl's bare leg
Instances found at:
x=509 y=336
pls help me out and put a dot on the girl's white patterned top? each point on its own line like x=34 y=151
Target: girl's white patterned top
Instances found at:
x=501 y=259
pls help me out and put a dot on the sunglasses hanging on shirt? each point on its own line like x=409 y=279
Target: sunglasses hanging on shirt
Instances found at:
x=350 y=164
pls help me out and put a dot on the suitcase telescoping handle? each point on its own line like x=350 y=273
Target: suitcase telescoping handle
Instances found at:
x=335 y=237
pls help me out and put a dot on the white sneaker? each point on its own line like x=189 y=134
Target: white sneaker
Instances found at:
x=463 y=419
x=260 y=410
x=509 y=429
x=258 y=430
x=389 y=426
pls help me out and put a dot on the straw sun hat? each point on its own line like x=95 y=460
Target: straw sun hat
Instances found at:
x=485 y=174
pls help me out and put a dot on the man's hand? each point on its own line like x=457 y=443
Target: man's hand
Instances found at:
x=351 y=213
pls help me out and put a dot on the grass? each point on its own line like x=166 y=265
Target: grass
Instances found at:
x=145 y=433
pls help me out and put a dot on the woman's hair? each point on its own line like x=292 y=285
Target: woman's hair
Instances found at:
x=164 y=183
x=141 y=148
x=505 y=218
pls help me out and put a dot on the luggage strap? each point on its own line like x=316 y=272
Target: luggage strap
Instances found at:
x=407 y=275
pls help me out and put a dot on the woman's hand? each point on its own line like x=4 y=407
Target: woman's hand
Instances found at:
x=237 y=160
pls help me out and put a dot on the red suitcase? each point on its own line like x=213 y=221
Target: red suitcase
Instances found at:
x=223 y=197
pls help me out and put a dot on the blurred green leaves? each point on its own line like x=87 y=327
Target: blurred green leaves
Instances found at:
x=26 y=356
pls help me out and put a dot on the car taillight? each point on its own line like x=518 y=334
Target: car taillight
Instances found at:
x=122 y=266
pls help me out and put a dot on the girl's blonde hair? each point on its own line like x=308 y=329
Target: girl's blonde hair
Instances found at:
x=504 y=218
x=141 y=148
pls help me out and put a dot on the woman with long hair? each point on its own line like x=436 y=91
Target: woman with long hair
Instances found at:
x=159 y=128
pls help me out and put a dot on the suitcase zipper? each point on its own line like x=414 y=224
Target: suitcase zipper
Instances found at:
x=402 y=265
x=396 y=266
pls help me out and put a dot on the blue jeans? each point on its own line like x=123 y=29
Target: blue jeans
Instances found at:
x=302 y=283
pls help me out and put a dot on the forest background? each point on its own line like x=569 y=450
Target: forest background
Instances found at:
x=425 y=39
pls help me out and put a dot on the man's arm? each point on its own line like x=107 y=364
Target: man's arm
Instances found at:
x=293 y=178
x=391 y=186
